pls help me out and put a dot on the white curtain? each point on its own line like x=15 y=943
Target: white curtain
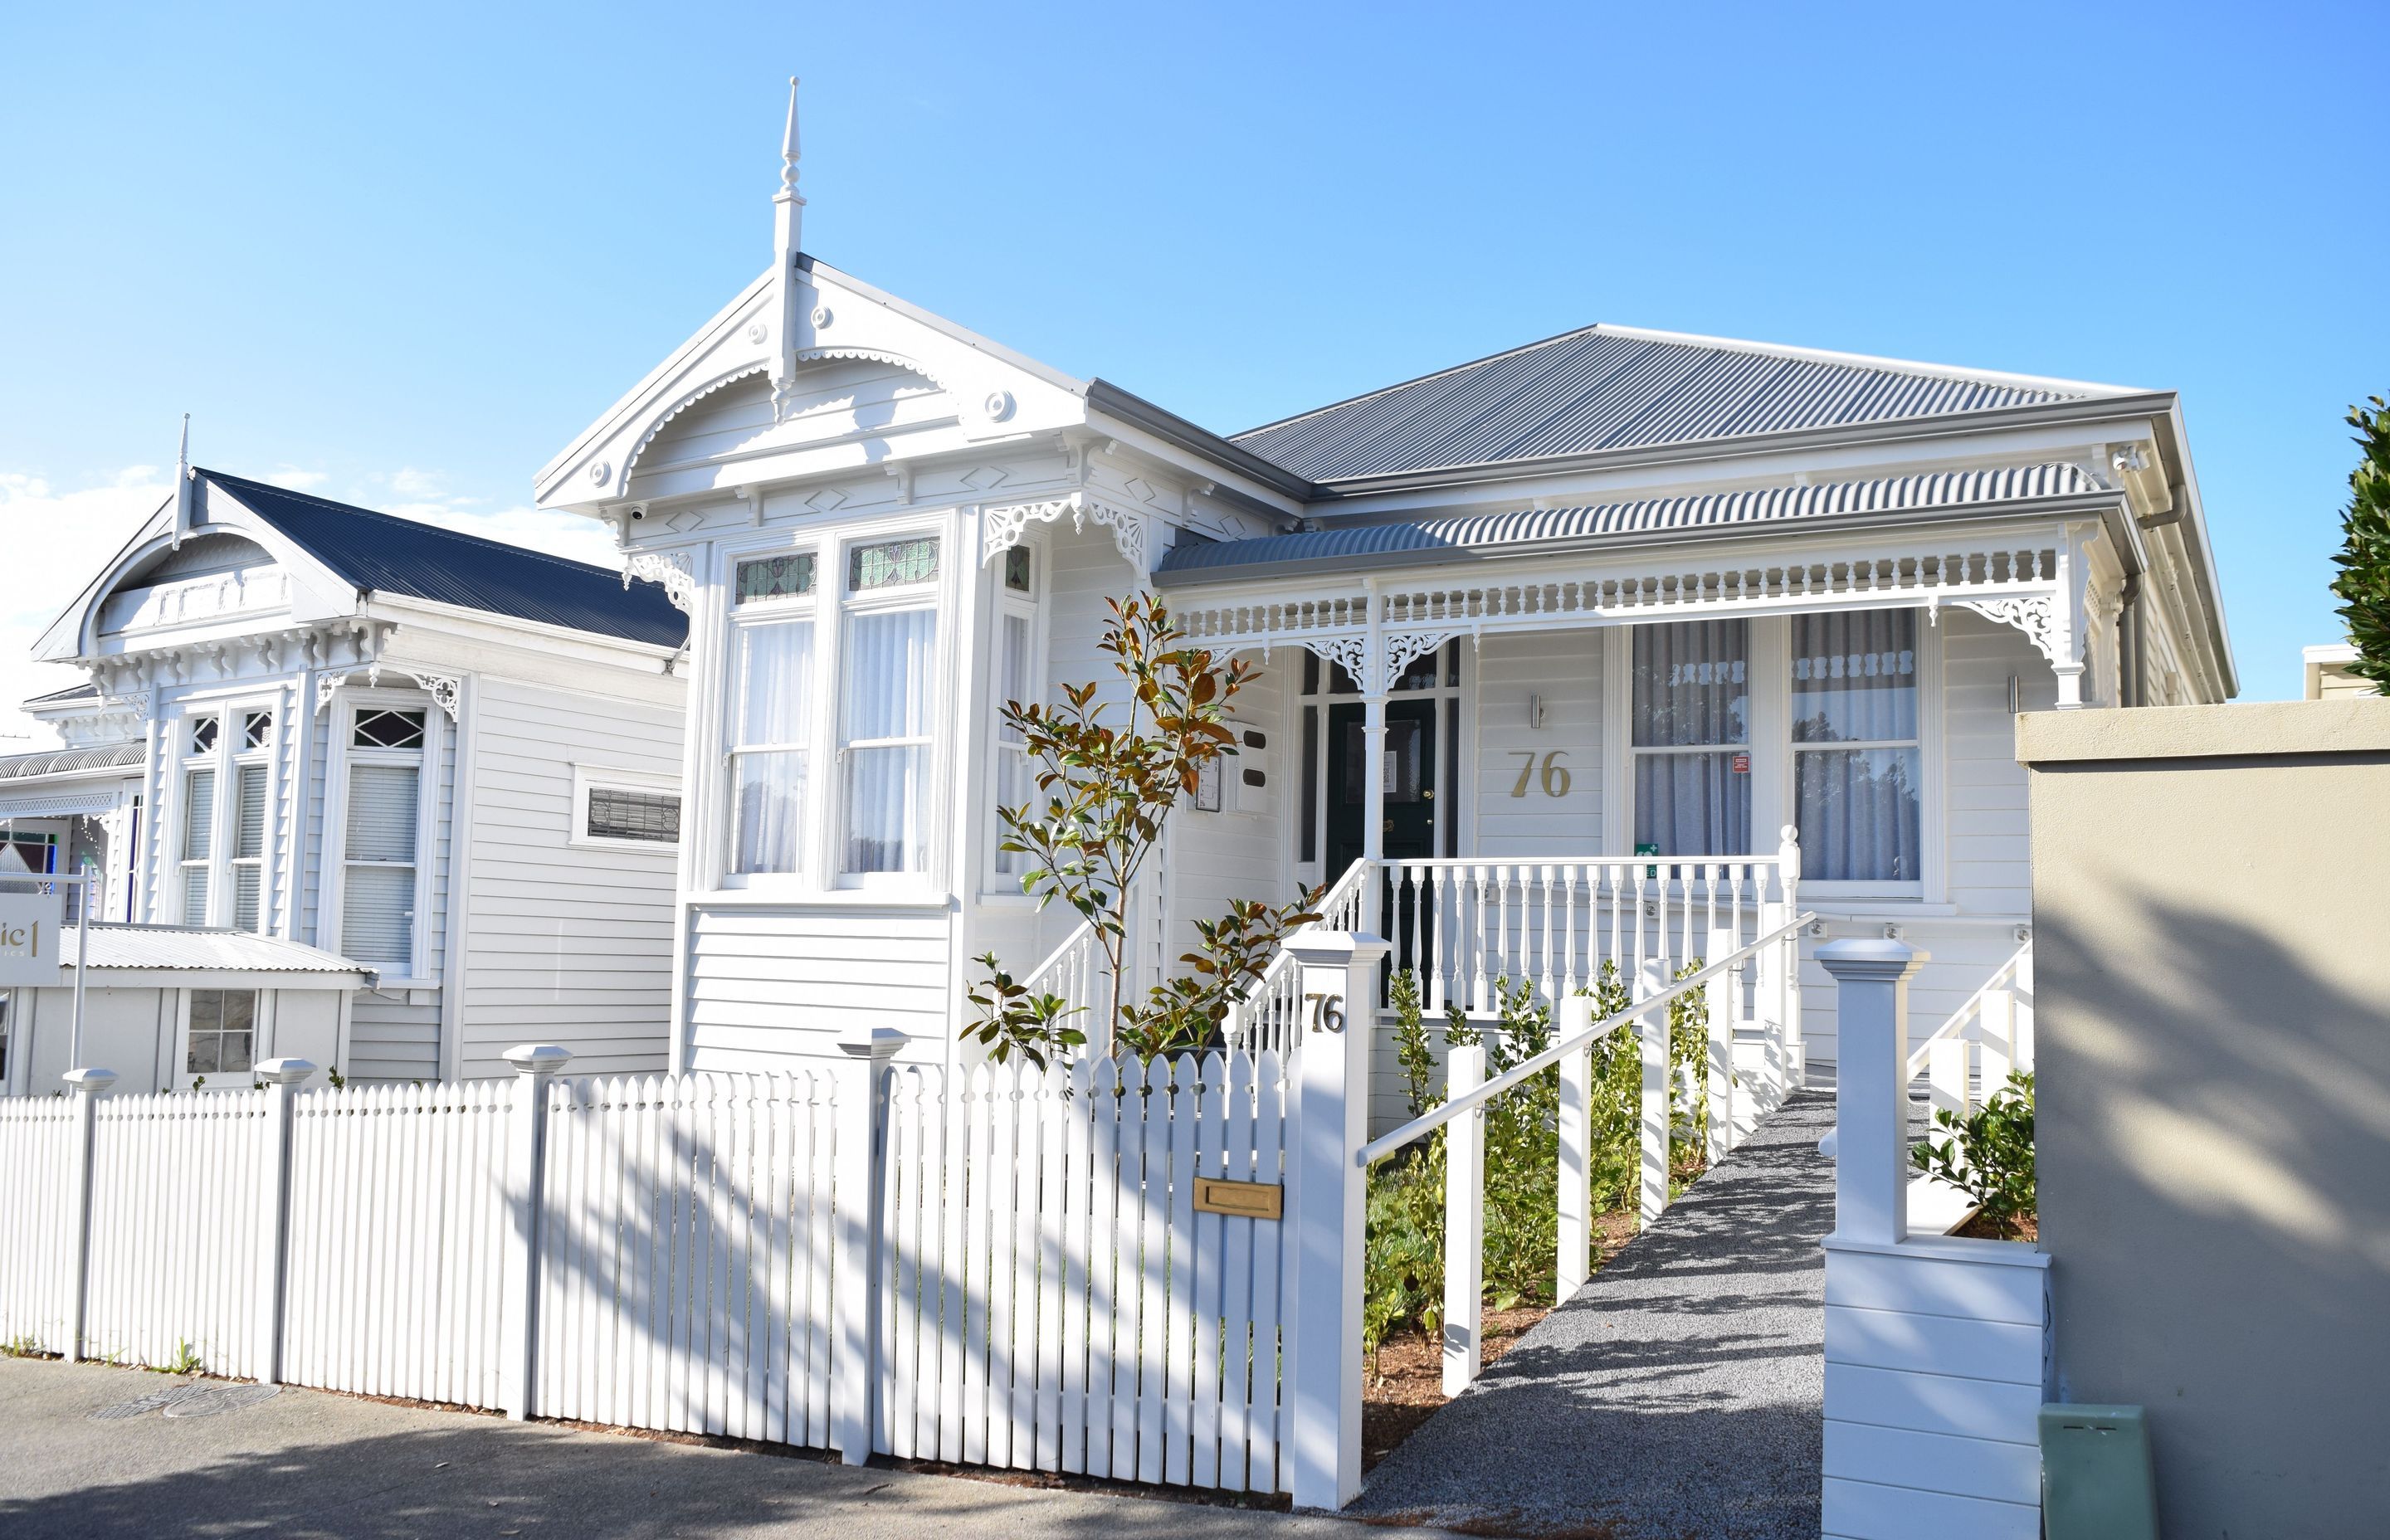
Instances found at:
x=1015 y=782
x=887 y=691
x=1854 y=682
x=775 y=711
x=1692 y=688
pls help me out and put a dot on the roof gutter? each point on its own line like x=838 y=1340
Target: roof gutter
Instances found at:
x=2109 y=506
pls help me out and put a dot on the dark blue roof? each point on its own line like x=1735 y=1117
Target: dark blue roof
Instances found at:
x=385 y=554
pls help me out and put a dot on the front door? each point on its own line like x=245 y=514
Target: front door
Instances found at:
x=1406 y=770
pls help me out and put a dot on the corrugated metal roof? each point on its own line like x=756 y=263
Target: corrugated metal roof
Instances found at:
x=72 y=692
x=385 y=554
x=1428 y=541
x=174 y=949
x=1608 y=388
x=52 y=761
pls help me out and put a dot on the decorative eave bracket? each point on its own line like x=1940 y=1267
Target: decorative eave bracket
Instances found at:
x=1004 y=524
x=673 y=569
x=2035 y=614
x=443 y=688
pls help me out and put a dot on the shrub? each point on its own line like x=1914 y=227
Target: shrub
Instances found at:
x=1989 y=1156
x=2364 y=558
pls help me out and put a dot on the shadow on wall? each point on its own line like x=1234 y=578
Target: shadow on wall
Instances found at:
x=2213 y=1133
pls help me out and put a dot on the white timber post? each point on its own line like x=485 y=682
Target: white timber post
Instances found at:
x=1331 y=1107
x=1768 y=1004
x=1871 y=1091
x=88 y=1085
x=1576 y=1149
x=1797 y=1052
x=283 y=1077
x=1651 y=1033
x=1725 y=1002
x=536 y=1066
x=1995 y=1032
x=2021 y=1017
x=1464 y=1222
x=854 y=1198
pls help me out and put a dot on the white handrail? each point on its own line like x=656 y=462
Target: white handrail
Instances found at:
x=1436 y=1118
x=1956 y=1023
x=1251 y=1010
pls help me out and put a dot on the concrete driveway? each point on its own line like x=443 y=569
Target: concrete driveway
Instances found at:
x=308 y=1464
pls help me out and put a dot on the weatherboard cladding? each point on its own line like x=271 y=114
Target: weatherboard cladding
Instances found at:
x=1432 y=539
x=1596 y=390
x=382 y=553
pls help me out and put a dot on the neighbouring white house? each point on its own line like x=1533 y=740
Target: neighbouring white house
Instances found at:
x=2328 y=673
x=1520 y=624
x=353 y=788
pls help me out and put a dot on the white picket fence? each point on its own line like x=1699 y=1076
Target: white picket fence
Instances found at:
x=1005 y=1267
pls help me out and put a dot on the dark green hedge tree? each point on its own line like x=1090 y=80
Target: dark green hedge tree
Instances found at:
x=2364 y=559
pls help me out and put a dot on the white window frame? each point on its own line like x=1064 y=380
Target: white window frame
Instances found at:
x=226 y=759
x=347 y=705
x=1769 y=722
x=589 y=777
x=261 y=1029
x=996 y=884
x=933 y=594
x=719 y=838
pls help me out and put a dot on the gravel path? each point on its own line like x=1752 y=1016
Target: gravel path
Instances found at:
x=1677 y=1397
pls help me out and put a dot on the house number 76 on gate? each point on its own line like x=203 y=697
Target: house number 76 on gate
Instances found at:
x=1555 y=777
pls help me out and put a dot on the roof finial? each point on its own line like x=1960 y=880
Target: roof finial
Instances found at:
x=183 y=484
x=788 y=227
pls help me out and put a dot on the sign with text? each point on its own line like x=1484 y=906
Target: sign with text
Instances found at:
x=29 y=936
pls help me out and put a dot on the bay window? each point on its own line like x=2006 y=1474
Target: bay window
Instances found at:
x=771 y=712
x=1016 y=680
x=1690 y=738
x=1856 y=761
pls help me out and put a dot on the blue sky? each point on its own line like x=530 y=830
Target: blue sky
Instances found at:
x=403 y=254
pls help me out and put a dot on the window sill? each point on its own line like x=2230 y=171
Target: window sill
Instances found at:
x=818 y=898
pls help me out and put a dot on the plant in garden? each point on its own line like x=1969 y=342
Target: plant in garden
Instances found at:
x=21 y=1347
x=185 y=1360
x=1108 y=792
x=340 y=1080
x=2364 y=558
x=1989 y=1156
x=1402 y=1270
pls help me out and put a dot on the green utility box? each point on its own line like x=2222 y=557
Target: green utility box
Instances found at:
x=2097 y=1483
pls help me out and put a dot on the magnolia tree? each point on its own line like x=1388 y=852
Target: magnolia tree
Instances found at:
x=2364 y=558
x=1107 y=786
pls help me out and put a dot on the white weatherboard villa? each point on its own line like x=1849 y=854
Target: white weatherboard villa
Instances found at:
x=355 y=790
x=1611 y=594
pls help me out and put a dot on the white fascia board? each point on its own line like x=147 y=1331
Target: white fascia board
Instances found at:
x=2220 y=634
x=213 y=978
x=860 y=321
x=1191 y=466
x=430 y=632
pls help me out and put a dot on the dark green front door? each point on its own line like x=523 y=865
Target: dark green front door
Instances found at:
x=1407 y=771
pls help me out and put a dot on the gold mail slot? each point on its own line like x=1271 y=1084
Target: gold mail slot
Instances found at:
x=1245 y=1199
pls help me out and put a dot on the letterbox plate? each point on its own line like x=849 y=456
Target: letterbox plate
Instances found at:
x=1245 y=1199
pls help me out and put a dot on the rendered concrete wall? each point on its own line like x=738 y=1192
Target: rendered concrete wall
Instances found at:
x=2212 y=941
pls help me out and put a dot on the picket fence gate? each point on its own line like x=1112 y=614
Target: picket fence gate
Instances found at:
x=1004 y=1265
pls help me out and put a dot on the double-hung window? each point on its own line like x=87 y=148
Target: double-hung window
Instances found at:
x=377 y=853
x=771 y=711
x=1016 y=681
x=199 y=738
x=1690 y=738
x=890 y=642
x=1856 y=766
x=250 y=771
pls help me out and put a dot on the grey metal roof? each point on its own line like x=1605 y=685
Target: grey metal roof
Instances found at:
x=53 y=762
x=72 y=692
x=382 y=553
x=1613 y=388
x=188 y=949
x=1428 y=541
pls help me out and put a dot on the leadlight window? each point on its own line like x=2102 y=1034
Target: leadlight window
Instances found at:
x=388 y=729
x=627 y=813
x=776 y=577
x=223 y=1038
x=892 y=562
x=1856 y=760
x=1689 y=723
x=203 y=730
x=1016 y=569
x=256 y=729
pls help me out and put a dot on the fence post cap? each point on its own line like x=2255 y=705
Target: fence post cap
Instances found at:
x=1318 y=946
x=878 y=1045
x=537 y=1059
x=1871 y=959
x=283 y=1071
x=90 y=1081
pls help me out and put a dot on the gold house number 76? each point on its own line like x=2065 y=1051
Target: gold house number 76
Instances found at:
x=1555 y=776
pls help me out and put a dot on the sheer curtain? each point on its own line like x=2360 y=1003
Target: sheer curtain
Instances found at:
x=887 y=691
x=1857 y=801
x=776 y=664
x=1015 y=778
x=1690 y=718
